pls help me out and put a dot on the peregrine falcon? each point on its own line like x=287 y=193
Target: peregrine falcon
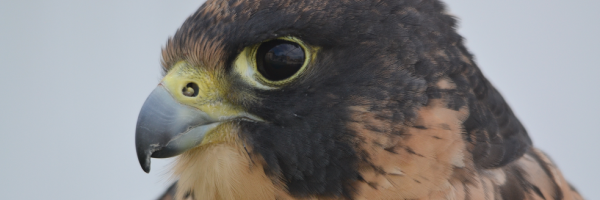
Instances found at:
x=335 y=99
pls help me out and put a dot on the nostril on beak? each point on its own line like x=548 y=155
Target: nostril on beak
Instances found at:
x=190 y=90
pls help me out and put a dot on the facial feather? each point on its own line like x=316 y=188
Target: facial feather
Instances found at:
x=224 y=170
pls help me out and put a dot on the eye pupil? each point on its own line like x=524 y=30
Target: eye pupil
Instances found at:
x=279 y=59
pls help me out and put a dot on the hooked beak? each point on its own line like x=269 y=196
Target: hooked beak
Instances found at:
x=167 y=128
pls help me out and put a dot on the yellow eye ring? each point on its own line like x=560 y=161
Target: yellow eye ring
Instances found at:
x=246 y=64
x=286 y=70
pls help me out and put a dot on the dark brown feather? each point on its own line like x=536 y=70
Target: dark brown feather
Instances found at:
x=394 y=107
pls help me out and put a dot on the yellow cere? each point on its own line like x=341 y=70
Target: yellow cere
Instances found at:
x=211 y=90
x=245 y=65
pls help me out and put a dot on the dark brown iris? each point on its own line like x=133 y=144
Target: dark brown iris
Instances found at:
x=279 y=59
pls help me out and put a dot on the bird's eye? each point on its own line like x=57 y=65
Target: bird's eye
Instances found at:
x=274 y=63
x=279 y=59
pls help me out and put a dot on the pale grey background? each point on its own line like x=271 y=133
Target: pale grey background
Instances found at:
x=74 y=75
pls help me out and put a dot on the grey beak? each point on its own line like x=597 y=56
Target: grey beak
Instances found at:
x=167 y=128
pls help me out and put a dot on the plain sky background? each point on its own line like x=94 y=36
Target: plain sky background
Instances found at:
x=74 y=75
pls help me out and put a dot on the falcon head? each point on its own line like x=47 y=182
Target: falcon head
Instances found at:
x=320 y=99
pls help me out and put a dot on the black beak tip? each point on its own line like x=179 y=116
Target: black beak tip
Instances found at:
x=144 y=159
x=146 y=168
